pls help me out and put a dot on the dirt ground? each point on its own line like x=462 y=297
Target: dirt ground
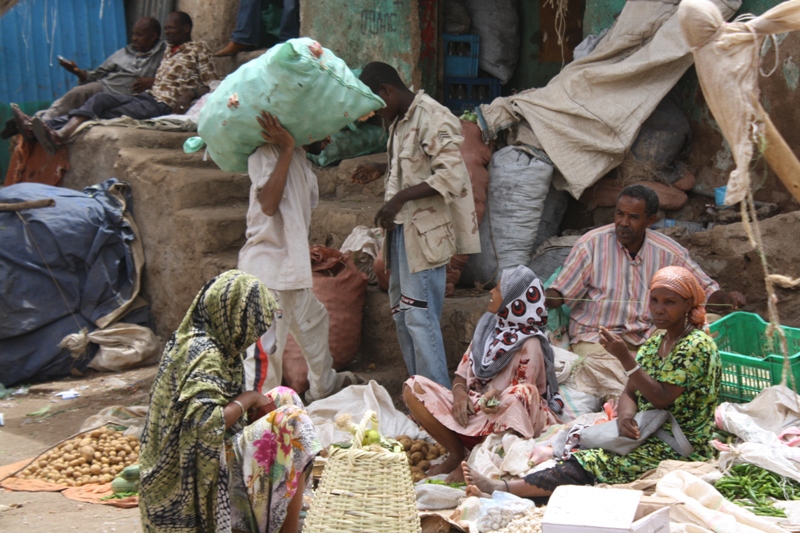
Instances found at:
x=24 y=436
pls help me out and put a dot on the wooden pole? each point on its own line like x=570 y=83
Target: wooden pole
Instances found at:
x=781 y=158
x=33 y=204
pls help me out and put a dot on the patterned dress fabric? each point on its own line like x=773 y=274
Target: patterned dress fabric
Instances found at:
x=184 y=481
x=694 y=363
x=182 y=69
x=522 y=407
x=265 y=461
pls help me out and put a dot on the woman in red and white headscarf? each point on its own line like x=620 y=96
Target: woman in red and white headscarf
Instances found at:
x=506 y=379
x=678 y=370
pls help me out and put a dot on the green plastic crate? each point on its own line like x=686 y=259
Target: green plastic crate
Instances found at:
x=749 y=363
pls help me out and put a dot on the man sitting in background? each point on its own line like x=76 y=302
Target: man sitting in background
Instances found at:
x=127 y=71
x=605 y=281
x=184 y=75
x=247 y=35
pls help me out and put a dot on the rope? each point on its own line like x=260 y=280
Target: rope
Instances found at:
x=561 y=8
x=748 y=210
x=76 y=344
x=49 y=270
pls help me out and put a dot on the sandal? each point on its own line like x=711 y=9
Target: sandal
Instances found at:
x=23 y=123
x=46 y=136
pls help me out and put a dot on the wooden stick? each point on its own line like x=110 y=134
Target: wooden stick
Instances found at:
x=33 y=204
x=781 y=158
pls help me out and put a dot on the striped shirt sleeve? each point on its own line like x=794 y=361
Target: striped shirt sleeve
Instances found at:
x=575 y=275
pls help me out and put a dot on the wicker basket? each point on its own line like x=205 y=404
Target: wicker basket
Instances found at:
x=363 y=491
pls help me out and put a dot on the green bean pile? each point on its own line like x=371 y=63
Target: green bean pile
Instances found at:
x=756 y=489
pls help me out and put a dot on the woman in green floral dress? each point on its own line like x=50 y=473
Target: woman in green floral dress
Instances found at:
x=203 y=469
x=678 y=370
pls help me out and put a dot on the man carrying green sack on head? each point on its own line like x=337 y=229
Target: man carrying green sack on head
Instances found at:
x=429 y=214
x=283 y=192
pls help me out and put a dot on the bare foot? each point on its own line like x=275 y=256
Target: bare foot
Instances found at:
x=456 y=476
x=472 y=490
x=480 y=483
x=448 y=466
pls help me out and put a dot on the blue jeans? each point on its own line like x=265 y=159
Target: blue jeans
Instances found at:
x=416 y=301
x=248 y=22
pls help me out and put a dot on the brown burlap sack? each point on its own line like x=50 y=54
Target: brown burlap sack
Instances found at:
x=477 y=155
x=342 y=289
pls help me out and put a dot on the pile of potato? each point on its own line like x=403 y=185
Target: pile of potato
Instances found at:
x=94 y=457
x=420 y=454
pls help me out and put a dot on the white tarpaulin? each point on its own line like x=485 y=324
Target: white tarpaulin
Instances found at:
x=357 y=400
x=588 y=116
x=727 y=60
x=702 y=508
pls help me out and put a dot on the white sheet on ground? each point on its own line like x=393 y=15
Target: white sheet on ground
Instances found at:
x=356 y=400
x=759 y=423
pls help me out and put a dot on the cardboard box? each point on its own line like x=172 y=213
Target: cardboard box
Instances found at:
x=581 y=509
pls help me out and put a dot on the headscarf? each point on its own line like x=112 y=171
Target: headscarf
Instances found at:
x=683 y=283
x=522 y=315
x=183 y=478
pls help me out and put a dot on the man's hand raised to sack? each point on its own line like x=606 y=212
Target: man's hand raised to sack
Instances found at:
x=368 y=172
x=274 y=133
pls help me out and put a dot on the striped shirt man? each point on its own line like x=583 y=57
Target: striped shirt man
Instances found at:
x=605 y=286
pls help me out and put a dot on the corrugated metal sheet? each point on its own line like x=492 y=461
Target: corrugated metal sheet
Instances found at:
x=34 y=32
x=154 y=8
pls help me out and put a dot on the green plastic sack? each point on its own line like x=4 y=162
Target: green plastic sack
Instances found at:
x=346 y=144
x=311 y=91
x=193 y=144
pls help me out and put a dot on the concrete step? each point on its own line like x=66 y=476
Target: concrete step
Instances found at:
x=213 y=228
x=333 y=220
x=216 y=263
x=93 y=155
x=380 y=346
x=184 y=180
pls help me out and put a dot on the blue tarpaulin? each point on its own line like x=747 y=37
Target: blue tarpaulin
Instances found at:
x=62 y=269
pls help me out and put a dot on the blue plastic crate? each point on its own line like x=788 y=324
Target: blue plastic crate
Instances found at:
x=465 y=94
x=461 y=55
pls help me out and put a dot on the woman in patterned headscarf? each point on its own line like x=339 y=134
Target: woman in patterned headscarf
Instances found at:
x=201 y=469
x=506 y=379
x=678 y=370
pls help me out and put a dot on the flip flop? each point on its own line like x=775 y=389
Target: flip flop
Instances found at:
x=45 y=135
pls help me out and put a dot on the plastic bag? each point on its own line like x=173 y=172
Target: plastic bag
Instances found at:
x=347 y=144
x=311 y=91
x=364 y=246
x=518 y=187
x=431 y=497
x=500 y=510
x=122 y=346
